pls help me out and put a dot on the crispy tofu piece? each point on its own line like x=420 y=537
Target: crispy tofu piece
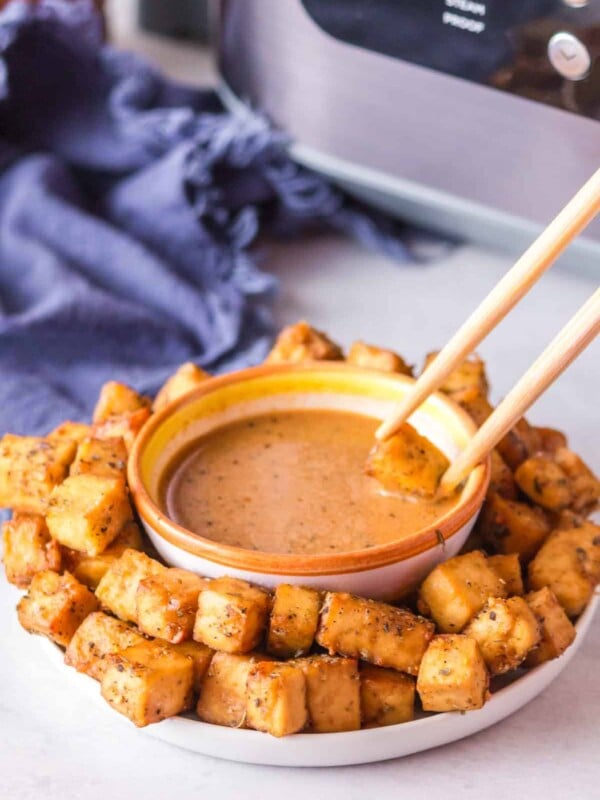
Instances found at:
x=521 y=442
x=187 y=378
x=407 y=462
x=477 y=406
x=508 y=567
x=293 y=622
x=98 y=636
x=28 y=549
x=104 y=457
x=371 y=357
x=544 y=482
x=276 y=698
x=223 y=693
x=148 y=682
x=458 y=588
x=376 y=632
x=506 y=631
x=232 y=615
x=387 y=697
x=125 y=426
x=74 y=431
x=87 y=512
x=508 y=526
x=569 y=564
x=332 y=693
x=466 y=381
x=91 y=569
x=201 y=656
x=55 y=606
x=117 y=399
x=167 y=604
x=453 y=675
x=117 y=591
x=301 y=342
x=585 y=486
x=551 y=439
x=30 y=468
x=502 y=481
x=557 y=631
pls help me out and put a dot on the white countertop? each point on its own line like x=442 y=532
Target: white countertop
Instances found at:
x=55 y=746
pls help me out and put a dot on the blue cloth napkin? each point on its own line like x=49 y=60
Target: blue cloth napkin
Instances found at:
x=128 y=206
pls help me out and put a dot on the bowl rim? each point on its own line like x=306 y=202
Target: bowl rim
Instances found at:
x=297 y=565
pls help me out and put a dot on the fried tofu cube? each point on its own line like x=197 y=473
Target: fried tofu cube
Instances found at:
x=453 y=675
x=232 y=615
x=117 y=399
x=407 y=462
x=74 y=431
x=508 y=526
x=117 y=591
x=477 y=406
x=301 y=342
x=201 y=656
x=458 y=588
x=557 y=631
x=521 y=442
x=387 y=697
x=585 y=486
x=98 y=636
x=508 y=567
x=276 y=698
x=167 y=604
x=91 y=569
x=293 y=622
x=55 y=606
x=375 y=632
x=502 y=481
x=125 y=426
x=30 y=468
x=87 y=512
x=506 y=631
x=28 y=549
x=223 y=693
x=551 y=439
x=544 y=482
x=148 y=682
x=332 y=693
x=371 y=357
x=187 y=378
x=466 y=381
x=104 y=457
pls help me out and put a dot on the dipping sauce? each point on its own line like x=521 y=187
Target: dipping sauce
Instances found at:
x=291 y=482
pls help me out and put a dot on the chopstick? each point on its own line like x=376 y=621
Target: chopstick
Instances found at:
x=573 y=218
x=577 y=334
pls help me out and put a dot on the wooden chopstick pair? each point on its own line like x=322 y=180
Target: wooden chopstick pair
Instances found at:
x=577 y=334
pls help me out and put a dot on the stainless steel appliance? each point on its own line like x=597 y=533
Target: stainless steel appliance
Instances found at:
x=476 y=117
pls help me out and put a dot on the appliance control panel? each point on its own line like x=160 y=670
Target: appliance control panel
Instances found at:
x=544 y=50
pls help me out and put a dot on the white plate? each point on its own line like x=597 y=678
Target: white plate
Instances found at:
x=356 y=747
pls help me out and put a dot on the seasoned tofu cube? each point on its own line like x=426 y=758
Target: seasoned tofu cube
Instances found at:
x=187 y=378
x=477 y=406
x=507 y=526
x=232 y=615
x=276 y=698
x=201 y=656
x=371 y=357
x=502 y=481
x=551 y=439
x=104 y=457
x=376 y=632
x=556 y=628
x=387 y=697
x=521 y=442
x=506 y=631
x=509 y=569
x=87 y=512
x=332 y=693
x=55 y=606
x=148 y=682
x=407 y=462
x=125 y=426
x=91 y=569
x=569 y=564
x=117 y=591
x=74 y=431
x=117 y=399
x=30 y=468
x=301 y=342
x=97 y=637
x=167 y=604
x=585 y=486
x=466 y=381
x=223 y=693
x=28 y=549
x=453 y=675
x=457 y=589
x=293 y=622
x=544 y=482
